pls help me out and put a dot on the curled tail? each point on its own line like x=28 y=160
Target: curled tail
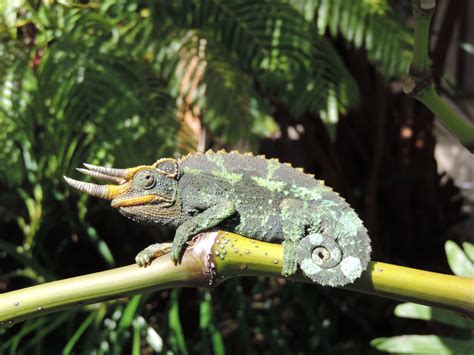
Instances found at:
x=337 y=252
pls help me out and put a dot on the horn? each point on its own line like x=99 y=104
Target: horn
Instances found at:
x=101 y=176
x=121 y=173
x=100 y=191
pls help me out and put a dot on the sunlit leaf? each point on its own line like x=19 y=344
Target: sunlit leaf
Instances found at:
x=423 y=344
x=417 y=311
x=458 y=260
x=469 y=250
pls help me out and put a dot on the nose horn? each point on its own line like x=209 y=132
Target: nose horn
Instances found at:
x=121 y=173
x=101 y=191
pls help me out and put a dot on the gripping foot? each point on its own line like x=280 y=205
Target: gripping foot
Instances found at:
x=290 y=259
x=147 y=255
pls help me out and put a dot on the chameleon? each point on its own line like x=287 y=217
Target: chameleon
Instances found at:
x=250 y=195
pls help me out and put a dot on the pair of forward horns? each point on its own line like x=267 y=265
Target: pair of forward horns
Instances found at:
x=118 y=176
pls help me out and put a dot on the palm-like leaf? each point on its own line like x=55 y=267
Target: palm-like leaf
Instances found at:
x=228 y=99
x=367 y=24
x=80 y=91
x=273 y=43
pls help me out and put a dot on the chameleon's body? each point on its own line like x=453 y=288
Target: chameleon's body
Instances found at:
x=256 y=197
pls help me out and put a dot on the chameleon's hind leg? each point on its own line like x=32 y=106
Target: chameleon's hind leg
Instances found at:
x=293 y=226
x=336 y=249
x=147 y=255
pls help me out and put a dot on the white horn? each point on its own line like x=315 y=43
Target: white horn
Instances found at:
x=107 y=171
x=101 y=176
x=100 y=191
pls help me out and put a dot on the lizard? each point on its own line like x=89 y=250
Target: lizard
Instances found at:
x=250 y=195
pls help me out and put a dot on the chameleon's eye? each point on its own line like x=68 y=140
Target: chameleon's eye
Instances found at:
x=144 y=179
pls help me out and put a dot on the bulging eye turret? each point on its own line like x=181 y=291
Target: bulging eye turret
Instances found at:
x=144 y=179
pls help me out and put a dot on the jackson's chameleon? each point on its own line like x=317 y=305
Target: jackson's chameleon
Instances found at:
x=256 y=197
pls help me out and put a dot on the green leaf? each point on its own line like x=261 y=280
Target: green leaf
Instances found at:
x=423 y=344
x=458 y=261
x=360 y=23
x=78 y=333
x=272 y=42
x=136 y=350
x=469 y=250
x=416 y=311
x=228 y=98
x=205 y=311
x=207 y=323
x=130 y=312
x=101 y=246
x=175 y=324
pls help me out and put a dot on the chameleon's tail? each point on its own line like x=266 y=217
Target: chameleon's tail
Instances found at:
x=336 y=256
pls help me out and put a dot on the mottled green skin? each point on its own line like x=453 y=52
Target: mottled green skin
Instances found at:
x=265 y=200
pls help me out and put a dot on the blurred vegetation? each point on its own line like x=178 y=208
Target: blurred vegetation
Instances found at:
x=457 y=337
x=121 y=83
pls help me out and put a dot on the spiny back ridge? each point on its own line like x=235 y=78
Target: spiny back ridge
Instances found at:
x=249 y=164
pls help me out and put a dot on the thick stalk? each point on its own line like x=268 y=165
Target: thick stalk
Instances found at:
x=419 y=82
x=461 y=129
x=423 y=17
x=35 y=301
x=247 y=257
x=216 y=257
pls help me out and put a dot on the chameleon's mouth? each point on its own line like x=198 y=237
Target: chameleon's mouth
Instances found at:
x=127 y=201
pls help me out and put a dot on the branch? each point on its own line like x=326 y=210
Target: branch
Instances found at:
x=419 y=82
x=215 y=257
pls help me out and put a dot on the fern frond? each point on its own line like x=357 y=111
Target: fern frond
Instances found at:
x=272 y=42
x=370 y=25
x=228 y=99
x=88 y=90
x=327 y=89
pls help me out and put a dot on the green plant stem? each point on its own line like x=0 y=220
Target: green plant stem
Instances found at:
x=421 y=38
x=238 y=256
x=54 y=296
x=254 y=258
x=419 y=80
x=458 y=127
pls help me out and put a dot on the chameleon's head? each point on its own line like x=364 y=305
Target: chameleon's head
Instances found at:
x=143 y=185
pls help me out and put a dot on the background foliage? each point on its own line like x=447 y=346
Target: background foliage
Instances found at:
x=459 y=341
x=115 y=82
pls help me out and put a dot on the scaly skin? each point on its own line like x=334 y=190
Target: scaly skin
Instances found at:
x=256 y=197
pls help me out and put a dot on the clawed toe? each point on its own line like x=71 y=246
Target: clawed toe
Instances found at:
x=147 y=255
x=142 y=259
x=174 y=257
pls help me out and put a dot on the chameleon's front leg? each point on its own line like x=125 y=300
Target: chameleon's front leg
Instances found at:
x=153 y=251
x=207 y=219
